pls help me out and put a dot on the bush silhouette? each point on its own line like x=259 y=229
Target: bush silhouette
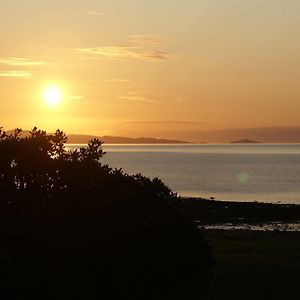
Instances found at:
x=82 y=227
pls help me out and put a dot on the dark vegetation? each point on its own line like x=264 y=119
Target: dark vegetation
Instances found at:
x=72 y=227
x=255 y=265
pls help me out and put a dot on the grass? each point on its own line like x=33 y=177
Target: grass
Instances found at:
x=255 y=265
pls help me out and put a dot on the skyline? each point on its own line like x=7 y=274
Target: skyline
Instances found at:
x=164 y=69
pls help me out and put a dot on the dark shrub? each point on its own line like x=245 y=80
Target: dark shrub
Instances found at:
x=72 y=226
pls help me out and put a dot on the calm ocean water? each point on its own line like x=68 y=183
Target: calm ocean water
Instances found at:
x=255 y=172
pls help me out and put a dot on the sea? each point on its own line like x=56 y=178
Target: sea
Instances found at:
x=232 y=172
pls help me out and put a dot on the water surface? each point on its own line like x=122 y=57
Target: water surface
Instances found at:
x=242 y=172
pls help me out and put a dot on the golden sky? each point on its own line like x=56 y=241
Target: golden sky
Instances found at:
x=162 y=68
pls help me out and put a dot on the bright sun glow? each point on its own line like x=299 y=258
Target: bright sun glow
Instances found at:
x=52 y=96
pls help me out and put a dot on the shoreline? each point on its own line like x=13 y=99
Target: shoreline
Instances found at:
x=187 y=198
x=232 y=215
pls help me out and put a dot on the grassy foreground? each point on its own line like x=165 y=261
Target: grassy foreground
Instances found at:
x=255 y=265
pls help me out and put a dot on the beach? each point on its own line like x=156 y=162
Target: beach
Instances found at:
x=228 y=215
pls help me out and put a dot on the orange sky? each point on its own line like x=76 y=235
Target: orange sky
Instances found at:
x=168 y=68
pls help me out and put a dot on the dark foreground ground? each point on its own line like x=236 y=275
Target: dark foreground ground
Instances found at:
x=250 y=264
x=255 y=265
x=246 y=264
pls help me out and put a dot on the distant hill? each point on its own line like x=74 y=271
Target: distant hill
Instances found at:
x=84 y=139
x=245 y=141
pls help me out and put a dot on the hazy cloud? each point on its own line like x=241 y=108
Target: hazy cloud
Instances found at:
x=123 y=52
x=16 y=74
x=94 y=13
x=138 y=48
x=144 y=39
x=110 y=52
x=153 y=55
x=21 y=62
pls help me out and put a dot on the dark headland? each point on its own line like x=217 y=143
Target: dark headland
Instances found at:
x=85 y=138
x=245 y=141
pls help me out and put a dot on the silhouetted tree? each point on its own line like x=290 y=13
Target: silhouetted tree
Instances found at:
x=82 y=226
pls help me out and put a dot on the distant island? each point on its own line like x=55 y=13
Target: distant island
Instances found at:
x=245 y=141
x=85 y=138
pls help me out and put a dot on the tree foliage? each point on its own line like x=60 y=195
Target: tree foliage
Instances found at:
x=67 y=215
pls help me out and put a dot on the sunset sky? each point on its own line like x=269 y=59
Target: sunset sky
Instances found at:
x=160 y=68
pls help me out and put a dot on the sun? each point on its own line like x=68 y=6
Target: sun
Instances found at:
x=52 y=96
